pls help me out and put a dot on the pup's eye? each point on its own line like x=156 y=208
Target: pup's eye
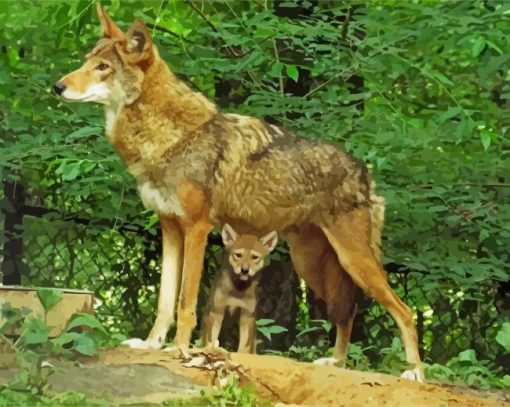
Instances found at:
x=238 y=255
x=256 y=258
x=102 y=67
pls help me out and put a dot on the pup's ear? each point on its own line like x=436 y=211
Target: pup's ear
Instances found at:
x=229 y=235
x=110 y=29
x=139 y=40
x=270 y=241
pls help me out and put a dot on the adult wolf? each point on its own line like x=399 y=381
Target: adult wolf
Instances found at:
x=197 y=167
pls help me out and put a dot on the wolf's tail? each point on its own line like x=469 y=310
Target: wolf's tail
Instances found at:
x=377 y=204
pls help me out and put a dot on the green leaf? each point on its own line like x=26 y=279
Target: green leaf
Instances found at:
x=276 y=69
x=451 y=112
x=308 y=330
x=85 y=344
x=35 y=331
x=65 y=338
x=469 y=355
x=276 y=329
x=85 y=131
x=263 y=322
x=292 y=72
x=485 y=137
x=87 y=320
x=478 y=47
x=70 y=171
x=490 y=44
x=503 y=336
x=153 y=219
x=48 y=297
x=484 y=234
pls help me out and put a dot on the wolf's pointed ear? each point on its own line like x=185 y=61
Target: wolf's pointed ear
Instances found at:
x=139 y=40
x=110 y=29
x=228 y=235
x=270 y=241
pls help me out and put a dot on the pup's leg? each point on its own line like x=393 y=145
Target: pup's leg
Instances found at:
x=247 y=330
x=215 y=321
x=171 y=270
x=350 y=236
x=317 y=263
x=195 y=240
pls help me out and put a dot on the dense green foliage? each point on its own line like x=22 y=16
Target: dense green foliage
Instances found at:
x=418 y=89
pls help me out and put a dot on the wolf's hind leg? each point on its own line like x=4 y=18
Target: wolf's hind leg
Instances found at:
x=343 y=337
x=350 y=236
x=317 y=263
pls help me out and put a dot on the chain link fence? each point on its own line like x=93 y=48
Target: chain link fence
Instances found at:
x=121 y=266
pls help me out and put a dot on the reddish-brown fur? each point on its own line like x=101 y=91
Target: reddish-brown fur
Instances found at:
x=198 y=167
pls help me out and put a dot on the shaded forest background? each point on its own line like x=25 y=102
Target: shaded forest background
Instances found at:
x=419 y=90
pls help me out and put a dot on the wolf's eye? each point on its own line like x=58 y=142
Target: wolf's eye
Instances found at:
x=238 y=255
x=102 y=67
x=256 y=258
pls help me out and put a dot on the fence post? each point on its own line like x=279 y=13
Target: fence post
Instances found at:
x=12 y=265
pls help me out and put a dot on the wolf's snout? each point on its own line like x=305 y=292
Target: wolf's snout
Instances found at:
x=245 y=270
x=59 y=87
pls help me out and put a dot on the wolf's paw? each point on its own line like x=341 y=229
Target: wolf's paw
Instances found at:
x=170 y=348
x=326 y=362
x=137 y=343
x=415 y=374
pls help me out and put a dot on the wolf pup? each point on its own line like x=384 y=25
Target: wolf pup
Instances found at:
x=236 y=284
x=198 y=168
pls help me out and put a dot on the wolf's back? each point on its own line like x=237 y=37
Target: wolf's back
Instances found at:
x=271 y=178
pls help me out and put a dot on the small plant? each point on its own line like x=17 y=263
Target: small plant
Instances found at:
x=34 y=347
x=234 y=395
x=393 y=359
x=466 y=369
x=317 y=325
x=11 y=397
x=267 y=327
x=48 y=297
x=357 y=359
x=230 y=395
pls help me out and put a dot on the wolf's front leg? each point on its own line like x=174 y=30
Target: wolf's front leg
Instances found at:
x=247 y=329
x=195 y=241
x=171 y=270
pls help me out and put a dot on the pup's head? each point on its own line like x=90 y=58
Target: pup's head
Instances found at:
x=114 y=70
x=246 y=253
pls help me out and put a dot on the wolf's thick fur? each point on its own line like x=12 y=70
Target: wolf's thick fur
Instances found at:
x=198 y=167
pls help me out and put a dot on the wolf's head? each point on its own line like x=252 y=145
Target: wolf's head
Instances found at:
x=113 y=72
x=246 y=253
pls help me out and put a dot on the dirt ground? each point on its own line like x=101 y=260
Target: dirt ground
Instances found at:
x=137 y=377
x=296 y=383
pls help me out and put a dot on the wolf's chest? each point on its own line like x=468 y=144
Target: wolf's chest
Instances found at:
x=161 y=199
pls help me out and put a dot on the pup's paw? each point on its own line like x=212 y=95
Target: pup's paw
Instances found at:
x=326 y=362
x=137 y=343
x=415 y=374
